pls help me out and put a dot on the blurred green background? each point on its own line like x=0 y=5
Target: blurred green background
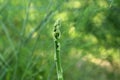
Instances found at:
x=90 y=39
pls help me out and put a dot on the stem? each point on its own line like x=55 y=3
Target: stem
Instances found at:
x=57 y=50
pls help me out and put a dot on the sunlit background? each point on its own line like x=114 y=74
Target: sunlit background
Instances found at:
x=90 y=39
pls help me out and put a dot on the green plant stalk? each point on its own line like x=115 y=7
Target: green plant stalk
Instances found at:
x=57 y=57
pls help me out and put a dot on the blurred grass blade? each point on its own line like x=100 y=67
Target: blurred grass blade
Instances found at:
x=8 y=36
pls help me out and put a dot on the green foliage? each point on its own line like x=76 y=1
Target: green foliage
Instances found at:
x=90 y=40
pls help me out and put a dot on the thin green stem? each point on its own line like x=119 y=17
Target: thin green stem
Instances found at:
x=57 y=50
